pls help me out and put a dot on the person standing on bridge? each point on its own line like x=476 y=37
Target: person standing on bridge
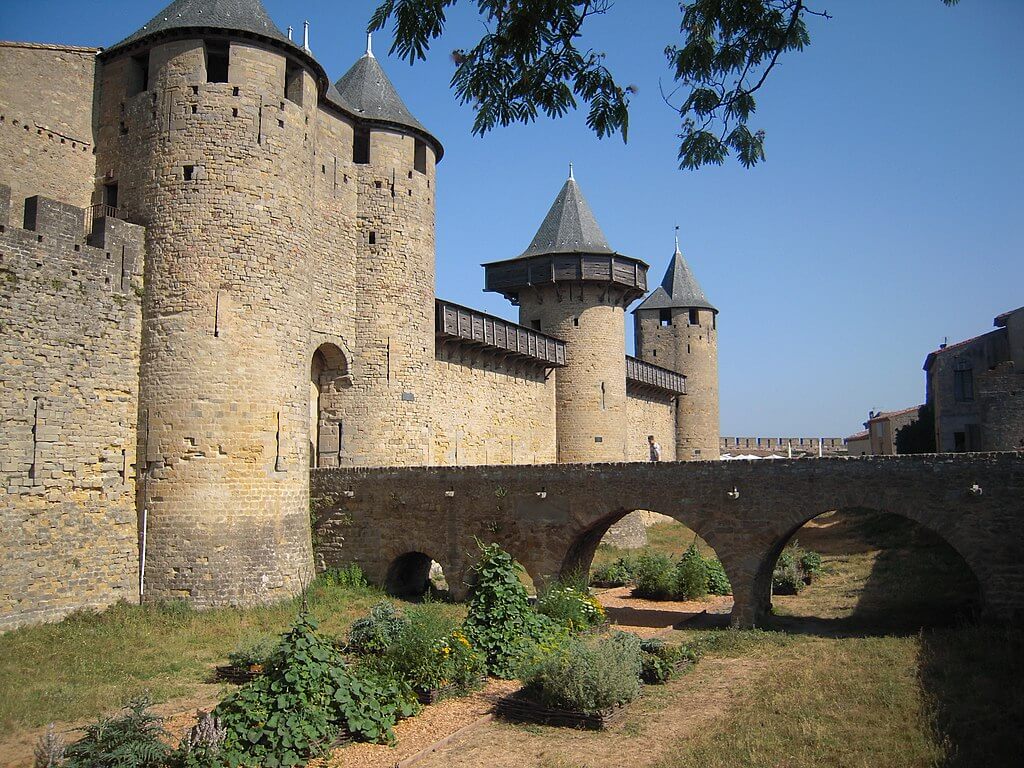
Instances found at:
x=654 y=448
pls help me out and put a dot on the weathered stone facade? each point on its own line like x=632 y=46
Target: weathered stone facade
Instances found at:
x=68 y=402
x=551 y=518
x=784 y=446
x=284 y=226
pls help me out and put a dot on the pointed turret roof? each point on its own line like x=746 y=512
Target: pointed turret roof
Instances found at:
x=367 y=92
x=678 y=289
x=228 y=15
x=569 y=227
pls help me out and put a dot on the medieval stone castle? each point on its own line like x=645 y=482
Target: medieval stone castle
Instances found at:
x=217 y=271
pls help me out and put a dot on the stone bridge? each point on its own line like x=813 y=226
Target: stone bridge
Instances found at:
x=551 y=517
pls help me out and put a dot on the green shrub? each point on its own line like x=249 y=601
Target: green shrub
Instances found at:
x=432 y=652
x=787 y=577
x=500 y=621
x=136 y=739
x=253 y=652
x=691 y=575
x=655 y=577
x=350 y=576
x=658 y=659
x=375 y=632
x=570 y=605
x=810 y=563
x=586 y=675
x=617 y=574
x=295 y=709
x=718 y=582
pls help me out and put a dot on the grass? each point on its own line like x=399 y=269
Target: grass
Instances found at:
x=91 y=662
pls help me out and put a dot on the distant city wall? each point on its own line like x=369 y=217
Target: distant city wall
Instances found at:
x=764 y=446
x=70 y=322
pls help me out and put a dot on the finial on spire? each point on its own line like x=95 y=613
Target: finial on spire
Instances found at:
x=570 y=171
x=289 y=33
x=305 y=35
x=369 y=44
x=677 y=238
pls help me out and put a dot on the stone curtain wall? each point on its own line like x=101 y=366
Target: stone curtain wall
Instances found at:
x=46 y=129
x=489 y=412
x=69 y=357
x=650 y=414
x=373 y=516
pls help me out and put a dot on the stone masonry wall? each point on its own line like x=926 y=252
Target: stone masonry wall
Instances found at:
x=490 y=412
x=221 y=175
x=70 y=323
x=374 y=516
x=46 y=123
x=650 y=414
x=1001 y=393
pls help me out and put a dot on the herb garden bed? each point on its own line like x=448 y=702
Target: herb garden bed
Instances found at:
x=521 y=708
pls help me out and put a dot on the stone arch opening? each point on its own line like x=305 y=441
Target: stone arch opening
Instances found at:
x=413 y=575
x=600 y=552
x=329 y=377
x=881 y=571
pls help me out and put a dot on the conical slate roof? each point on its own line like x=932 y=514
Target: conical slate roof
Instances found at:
x=228 y=15
x=569 y=227
x=678 y=289
x=368 y=92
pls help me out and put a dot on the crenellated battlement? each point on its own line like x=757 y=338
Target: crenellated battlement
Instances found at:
x=51 y=254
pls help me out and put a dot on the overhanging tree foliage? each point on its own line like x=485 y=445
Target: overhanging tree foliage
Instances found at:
x=529 y=62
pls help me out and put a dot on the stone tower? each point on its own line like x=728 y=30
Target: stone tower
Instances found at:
x=387 y=414
x=676 y=327
x=570 y=283
x=206 y=118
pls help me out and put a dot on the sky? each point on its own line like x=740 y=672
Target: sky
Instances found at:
x=888 y=215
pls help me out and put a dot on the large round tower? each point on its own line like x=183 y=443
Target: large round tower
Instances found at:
x=569 y=283
x=208 y=113
x=677 y=327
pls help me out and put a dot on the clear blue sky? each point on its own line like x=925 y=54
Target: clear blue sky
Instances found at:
x=889 y=214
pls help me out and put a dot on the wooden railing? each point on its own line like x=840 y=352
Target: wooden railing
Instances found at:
x=456 y=321
x=646 y=374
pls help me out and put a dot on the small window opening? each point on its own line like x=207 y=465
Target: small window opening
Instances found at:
x=654 y=353
x=576 y=322
x=293 y=83
x=188 y=171
x=138 y=78
x=665 y=316
x=234 y=111
x=217 y=58
x=535 y=324
x=373 y=238
x=361 y=146
x=419 y=162
x=694 y=317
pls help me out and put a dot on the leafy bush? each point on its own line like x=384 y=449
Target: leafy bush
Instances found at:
x=570 y=605
x=376 y=632
x=617 y=574
x=350 y=576
x=295 y=709
x=432 y=652
x=136 y=739
x=810 y=563
x=718 y=582
x=500 y=621
x=253 y=653
x=794 y=569
x=586 y=675
x=691 y=575
x=655 y=577
x=658 y=659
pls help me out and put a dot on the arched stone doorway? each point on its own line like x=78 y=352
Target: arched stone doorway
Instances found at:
x=329 y=377
x=413 y=574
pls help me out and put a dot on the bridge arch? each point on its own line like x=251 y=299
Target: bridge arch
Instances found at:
x=761 y=584
x=409 y=575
